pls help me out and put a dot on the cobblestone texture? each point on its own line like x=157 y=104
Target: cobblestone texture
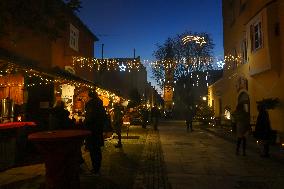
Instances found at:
x=152 y=172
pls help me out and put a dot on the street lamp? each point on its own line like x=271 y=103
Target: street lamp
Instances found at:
x=204 y=98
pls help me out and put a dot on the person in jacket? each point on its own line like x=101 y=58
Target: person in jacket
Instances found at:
x=263 y=129
x=242 y=121
x=189 y=119
x=117 y=122
x=155 y=116
x=59 y=117
x=94 y=121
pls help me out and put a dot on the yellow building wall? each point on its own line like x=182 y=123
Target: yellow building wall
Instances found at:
x=264 y=69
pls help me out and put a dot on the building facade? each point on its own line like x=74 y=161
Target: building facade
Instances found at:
x=254 y=58
x=36 y=70
x=123 y=75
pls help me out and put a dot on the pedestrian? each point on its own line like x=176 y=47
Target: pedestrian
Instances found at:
x=59 y=117
x=155 y=116
x=94 y=121
x=242 y=120
x=144 y=114
x=263 y=129
x=117 y=122
x=189 y=119
x=108 y=130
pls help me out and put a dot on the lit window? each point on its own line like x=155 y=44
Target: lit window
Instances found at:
x=256 y=36
x=74 y=38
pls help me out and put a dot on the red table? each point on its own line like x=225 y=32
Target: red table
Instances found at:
x=61 y=152
x=12 y=125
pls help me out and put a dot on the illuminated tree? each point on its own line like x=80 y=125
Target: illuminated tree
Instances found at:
x=184 y=62
x=204 y=113
x=187 y=57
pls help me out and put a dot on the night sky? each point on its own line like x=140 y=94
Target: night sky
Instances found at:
x=122 y=25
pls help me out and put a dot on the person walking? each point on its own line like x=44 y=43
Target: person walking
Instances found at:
x=94 y=121
x=242 y=121
x=117 y=122
x=155 y=116
x=189 y=119
x=263 y=129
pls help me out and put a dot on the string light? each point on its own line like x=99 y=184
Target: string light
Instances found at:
x=232 y=61
x=107 y=64
x=37 y=78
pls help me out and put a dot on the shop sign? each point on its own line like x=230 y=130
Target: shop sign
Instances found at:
x=67 y=95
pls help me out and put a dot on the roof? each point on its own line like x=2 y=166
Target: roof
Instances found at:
x=31 y=64
x=81 y=23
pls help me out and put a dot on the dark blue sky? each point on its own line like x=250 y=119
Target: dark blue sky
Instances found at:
x=122 y=25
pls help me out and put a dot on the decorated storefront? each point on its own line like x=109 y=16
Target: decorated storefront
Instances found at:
x=27 y=93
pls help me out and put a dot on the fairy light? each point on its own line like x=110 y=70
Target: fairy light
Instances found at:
x=232 y=61
x=108 y=64
x=39 y=78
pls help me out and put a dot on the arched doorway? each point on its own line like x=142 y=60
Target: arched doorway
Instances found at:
x=244 y=99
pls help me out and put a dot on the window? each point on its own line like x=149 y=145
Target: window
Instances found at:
x=244 y=51
x=74 y=38
x=256 y=36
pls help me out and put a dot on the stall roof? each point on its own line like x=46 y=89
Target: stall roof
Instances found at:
x=24 y=63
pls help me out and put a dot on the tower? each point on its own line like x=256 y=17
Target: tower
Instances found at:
x=168 y=85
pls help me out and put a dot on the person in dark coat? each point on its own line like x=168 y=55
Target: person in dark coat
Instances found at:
x=189 y=119
x=263 y=129
x=94 y=121
x=117 y=122
x=59 y=117
x=242 y=121
x=155 y=116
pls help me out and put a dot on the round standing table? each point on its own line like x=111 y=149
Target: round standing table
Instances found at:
x=61 y=153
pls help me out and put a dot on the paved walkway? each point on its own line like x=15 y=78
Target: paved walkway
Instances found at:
x=276 y=150
x=201 y=160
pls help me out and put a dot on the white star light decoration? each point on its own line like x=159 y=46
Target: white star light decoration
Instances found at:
x=122 y=68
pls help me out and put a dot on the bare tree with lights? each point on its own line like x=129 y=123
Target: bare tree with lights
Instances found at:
x=186 y=56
